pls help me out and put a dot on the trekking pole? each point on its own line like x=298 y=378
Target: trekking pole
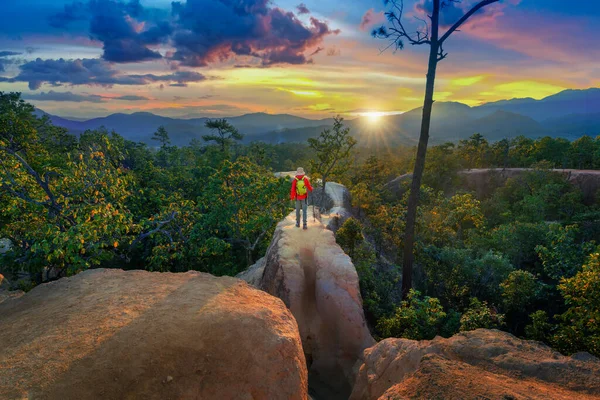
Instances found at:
x=313 y=201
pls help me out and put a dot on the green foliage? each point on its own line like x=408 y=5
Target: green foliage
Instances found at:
x=453 y=219
x=582 y=153
x=520 y=290
x=579 y=329
x=162 y=136
x=540 y=328
x=70 y=204
x=242 y=204
x=416 y=318
x=480 y=315
x=441 y=167
x=518 y=242
x=226 y=134
x=474 y=151
x=377 y=285
x=539 y=195
x=63 y=212
x=349 y=236
x=333 y=149
x=564 y=252
x=456 y=275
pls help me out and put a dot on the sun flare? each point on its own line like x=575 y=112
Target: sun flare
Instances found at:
x=373 y=116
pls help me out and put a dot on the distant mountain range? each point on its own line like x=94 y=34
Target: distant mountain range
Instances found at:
x=569 y=114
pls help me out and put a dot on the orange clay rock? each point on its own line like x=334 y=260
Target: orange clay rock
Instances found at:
x=481 y=364
x=111 y=334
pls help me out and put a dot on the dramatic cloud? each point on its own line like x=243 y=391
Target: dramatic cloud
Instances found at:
x=371 y=18
x=125 y=29
x=4 y=61
x=90 y=72
x=201 y=31
x=302 y=9
x=69 y=96
x=243 y=28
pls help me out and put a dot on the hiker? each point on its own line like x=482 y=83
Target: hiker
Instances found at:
x=300 y=188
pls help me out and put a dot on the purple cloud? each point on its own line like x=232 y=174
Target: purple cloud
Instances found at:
x=89 y=72
x=70 y=96
x=62 y=96
x=243 y=28
x=125 y=29
x=202 y=32
x=302 y=9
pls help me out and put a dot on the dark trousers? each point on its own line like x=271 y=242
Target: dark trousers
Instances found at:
x=304 y=205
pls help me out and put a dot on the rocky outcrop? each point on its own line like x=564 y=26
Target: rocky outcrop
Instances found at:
x=399 y=185
x=110 y=334
x=481 y=364
x=5 y=245
x=319 y=284
x=340 y=206
x=483 y=181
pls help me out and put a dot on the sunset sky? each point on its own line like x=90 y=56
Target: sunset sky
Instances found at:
x=313 y=58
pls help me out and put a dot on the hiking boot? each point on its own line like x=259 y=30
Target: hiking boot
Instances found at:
x=305 y=227
x=297 y=224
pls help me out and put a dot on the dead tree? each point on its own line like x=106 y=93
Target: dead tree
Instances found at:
x=428 y=35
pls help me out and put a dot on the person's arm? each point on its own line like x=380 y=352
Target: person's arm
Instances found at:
x=293 y=191
x=307 y=183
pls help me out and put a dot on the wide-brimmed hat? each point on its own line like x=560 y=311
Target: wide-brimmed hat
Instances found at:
x=300 y=171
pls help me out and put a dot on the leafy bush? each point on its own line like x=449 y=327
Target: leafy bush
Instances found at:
x=350 y=236
x=539 y=329
x=454 y=275
x=416 y=318
x=564 y=252
x=520 y=290
x=579 y=329
x=480 y=315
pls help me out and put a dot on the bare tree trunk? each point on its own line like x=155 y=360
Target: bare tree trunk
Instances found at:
x=413 y=199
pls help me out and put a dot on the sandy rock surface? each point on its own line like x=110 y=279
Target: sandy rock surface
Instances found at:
x=111 y=334
x=319 y=284
x=481 y=364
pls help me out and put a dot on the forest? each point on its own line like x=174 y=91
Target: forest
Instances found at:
x=523 y=259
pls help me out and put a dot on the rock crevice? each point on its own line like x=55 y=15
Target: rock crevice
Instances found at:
x=318 y=283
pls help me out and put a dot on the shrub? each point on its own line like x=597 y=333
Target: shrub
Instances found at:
x=416 y=318
x=540 y=328
x=580 y=324
x=520 y=289
x=480 y=315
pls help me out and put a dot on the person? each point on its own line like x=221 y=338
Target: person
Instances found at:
x=300 y=188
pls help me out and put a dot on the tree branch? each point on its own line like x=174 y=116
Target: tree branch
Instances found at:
x=465 y=17
x=158 y=229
